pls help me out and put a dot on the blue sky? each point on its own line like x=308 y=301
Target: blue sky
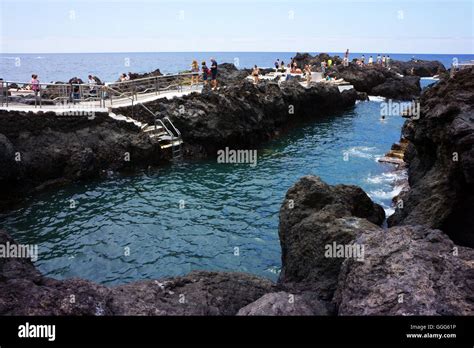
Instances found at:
x=415 y=26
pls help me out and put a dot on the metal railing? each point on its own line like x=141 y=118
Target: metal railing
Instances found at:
x=94 y=94
x=175 y=147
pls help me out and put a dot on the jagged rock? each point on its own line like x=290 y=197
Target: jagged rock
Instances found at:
x=244 y=115
x=286 y=304
x=313 y=216
x=377 y=80
x=398 y=88
x=134 y=76
x=441 y=160
x=198 y=293
x=421 y=68
x=302 y=59
x=407 y=270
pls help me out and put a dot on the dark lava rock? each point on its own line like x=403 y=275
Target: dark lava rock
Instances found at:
x=441 y=160
x=45 y=147
x=134 y=76
x=398 y=88
x=377 y=80
x=198 y=293
x=243 y=115
x=228 y=74
x=421 y=68
x=407 y=270
x=24 y=291
x=285 y=304
x=313 y=216
x=302 y=59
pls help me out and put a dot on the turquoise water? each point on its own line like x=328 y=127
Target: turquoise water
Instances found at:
x=201 y=215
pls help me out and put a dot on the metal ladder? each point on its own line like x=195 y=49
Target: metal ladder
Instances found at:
x=168 y=136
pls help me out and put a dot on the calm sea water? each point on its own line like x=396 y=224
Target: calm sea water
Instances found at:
x=200 y=215
x=108 y=66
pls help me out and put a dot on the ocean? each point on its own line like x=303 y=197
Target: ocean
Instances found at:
x=54 y=67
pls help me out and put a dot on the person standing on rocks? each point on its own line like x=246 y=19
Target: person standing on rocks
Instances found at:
x=308 y=72
x=205 y=73
x=213 y=74
x=195 y=71
x=383 y=60
x=277 y=65
x=35 y=85
x=371 y=61
x=379 y=60
x=255 y=73
x=282 y=66
x=387 y=62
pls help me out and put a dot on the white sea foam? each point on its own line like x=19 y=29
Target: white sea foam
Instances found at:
x=381 y=194
x=362 y=151
x=377 y=98
x=387 y=177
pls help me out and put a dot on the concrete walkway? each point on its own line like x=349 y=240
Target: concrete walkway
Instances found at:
x=93 y=106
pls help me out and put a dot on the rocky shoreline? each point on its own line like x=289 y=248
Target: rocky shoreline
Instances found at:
x=421 y=265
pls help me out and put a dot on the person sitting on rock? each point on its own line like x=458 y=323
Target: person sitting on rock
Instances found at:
x=122 y=78
x=255 y=73
x=323 y=68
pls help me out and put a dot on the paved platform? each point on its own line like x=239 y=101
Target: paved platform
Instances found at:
x=93 y=106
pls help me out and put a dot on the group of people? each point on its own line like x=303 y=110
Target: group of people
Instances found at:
x=206 y=73
x=384 y=61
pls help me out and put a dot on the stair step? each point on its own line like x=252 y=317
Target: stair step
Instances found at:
x=167 y=137
x=175 y=143
x=152 y=128
x=158 y=135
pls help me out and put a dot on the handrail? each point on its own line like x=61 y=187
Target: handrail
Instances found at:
x=157 y=119
x=172 y=125
x=77 y=92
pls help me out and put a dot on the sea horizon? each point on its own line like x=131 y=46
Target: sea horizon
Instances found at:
x=53 y=67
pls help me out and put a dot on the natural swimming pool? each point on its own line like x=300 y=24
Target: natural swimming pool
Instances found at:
x=201 y=215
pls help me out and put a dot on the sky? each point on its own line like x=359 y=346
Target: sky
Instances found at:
x=69 y=26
